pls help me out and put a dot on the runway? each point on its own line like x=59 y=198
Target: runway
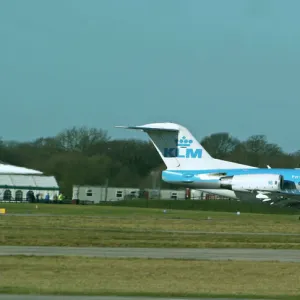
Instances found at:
x=159 y=253
x=37 y=297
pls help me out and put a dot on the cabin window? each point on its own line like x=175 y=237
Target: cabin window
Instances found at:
x=89 y=193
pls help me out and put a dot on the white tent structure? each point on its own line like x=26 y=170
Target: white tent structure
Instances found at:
x=9 y=169
x=21 y=184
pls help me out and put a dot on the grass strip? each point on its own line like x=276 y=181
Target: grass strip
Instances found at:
x=138 y=227
x=152 y=277
x=153 y=219
x=170 y=206
x=32 y=236
x=150 y=231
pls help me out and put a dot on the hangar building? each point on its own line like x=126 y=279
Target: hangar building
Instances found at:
x=22 y=184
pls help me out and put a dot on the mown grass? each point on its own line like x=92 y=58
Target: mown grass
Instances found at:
x=104 y=276
x=150 y=207
x=150 y=231
x=224 y=205
x=93 y=238
x=143 y=218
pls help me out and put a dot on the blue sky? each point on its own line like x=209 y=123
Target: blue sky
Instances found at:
x=212 y=66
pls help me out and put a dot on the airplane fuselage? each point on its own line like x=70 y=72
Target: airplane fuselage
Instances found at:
x=198 y=178
x=214 y=181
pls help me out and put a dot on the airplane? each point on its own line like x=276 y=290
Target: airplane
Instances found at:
x=188 y=164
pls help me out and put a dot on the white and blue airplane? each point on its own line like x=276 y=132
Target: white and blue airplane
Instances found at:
x=189 y=164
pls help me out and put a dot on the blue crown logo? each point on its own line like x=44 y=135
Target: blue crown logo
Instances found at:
x=183 y=142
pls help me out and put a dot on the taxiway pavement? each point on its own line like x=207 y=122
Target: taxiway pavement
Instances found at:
x=167 y=253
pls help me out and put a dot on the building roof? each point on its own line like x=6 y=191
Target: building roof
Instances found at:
x=10 y=169
x=31 y=182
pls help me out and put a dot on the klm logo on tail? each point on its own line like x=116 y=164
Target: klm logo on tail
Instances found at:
x=183 y=149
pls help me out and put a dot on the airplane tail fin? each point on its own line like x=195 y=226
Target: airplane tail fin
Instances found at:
x=176 y=146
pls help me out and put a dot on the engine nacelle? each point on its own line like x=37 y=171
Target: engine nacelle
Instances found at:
x=246 y=182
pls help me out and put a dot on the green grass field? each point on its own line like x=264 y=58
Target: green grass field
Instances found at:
x=100 y=276
x=139 y=227
x=120 y=210
x=224 y=205
x=77 y=225
x=186 y=205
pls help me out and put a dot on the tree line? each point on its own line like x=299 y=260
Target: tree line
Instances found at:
x=82 y=155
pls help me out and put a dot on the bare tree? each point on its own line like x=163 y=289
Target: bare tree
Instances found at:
x=220 y=145
x=80 y=139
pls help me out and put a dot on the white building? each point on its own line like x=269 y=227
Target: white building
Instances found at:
x=172 y=194
x=20 y=184
x=98 y=194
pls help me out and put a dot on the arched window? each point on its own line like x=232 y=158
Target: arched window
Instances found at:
x=30 y=196
x=7 y=195
x=19 y=195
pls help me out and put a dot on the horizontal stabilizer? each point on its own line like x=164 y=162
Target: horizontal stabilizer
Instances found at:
x=153 y=127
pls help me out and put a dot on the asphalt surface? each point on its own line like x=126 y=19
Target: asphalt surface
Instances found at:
x=185 y=253
x=37 y=297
